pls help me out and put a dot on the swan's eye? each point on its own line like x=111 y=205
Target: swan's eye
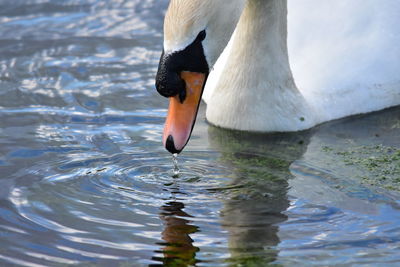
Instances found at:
x=201 y=36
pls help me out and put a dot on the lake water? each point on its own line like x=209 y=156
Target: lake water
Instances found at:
x=85 y=180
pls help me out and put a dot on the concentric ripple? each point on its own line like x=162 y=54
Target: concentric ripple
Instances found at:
x=117 y=207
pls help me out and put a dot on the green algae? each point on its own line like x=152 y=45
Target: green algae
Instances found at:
x=375 y=165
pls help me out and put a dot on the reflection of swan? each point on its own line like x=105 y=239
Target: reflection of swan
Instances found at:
x=255 y=211
x=323 y=61
x=255 y=207
x=178 y=249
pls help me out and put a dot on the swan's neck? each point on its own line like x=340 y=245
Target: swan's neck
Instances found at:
x=255 y=90
x=261 y=38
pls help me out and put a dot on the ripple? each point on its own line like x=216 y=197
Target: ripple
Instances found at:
x=118 y=203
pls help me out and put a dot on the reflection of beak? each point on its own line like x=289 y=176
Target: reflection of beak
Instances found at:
x=182 y=116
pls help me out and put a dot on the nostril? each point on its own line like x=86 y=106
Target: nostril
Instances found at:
x=170 y=145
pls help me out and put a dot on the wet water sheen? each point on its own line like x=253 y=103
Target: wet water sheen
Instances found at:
x=84 y=179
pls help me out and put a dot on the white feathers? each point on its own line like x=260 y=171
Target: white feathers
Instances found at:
x=185 y=19
x=344 y=59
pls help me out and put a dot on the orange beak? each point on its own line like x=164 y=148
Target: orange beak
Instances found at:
x=182 y=116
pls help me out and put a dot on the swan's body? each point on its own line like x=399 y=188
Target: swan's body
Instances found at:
x=343 y=59
x=289 y=65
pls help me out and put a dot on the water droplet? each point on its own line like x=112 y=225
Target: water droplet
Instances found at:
x=176 y=167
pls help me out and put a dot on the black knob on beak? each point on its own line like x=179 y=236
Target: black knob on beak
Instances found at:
x=168 y=80
x=170 y=84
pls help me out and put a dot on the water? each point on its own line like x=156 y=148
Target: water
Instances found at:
x=176 y=166
x=85 y=180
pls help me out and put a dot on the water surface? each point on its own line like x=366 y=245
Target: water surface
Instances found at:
x=85 y=180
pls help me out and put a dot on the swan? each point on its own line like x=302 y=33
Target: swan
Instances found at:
x=276 y=65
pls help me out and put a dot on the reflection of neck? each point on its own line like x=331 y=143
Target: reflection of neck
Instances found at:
x=257 y=79
x=179 y=246
x=257 y=204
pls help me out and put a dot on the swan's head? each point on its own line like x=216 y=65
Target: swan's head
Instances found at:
x=195 y=34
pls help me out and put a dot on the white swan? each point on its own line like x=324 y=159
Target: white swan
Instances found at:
x=289 y=65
